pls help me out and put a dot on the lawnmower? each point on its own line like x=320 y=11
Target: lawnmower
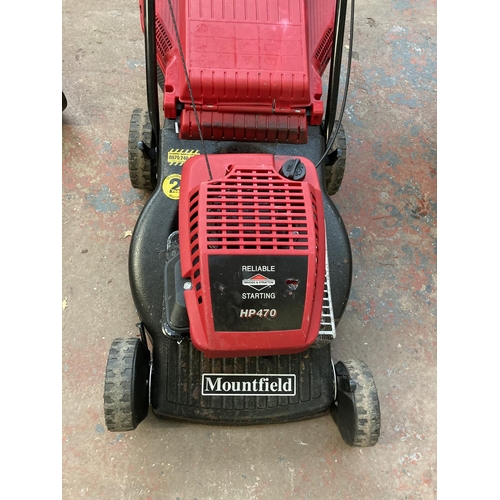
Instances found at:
x=240 y=264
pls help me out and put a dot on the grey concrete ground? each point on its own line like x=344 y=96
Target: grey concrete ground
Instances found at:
x=388 y=202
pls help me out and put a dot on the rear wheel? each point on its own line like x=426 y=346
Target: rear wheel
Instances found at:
x=142 y=172
x=356 y=410
x=335 y=163
x=126 y=388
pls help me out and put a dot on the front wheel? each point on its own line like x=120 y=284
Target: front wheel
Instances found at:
x=126 y=388
x=356 y=410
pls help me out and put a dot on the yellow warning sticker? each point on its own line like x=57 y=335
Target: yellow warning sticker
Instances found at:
x=171 y=186
x=180 y=156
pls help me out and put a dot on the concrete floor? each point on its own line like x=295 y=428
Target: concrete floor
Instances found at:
x=388 y=202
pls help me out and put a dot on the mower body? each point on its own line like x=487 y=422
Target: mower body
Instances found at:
x=228 y=258
x=240 y=265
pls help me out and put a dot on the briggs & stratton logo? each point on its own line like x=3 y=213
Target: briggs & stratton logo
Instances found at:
x=258 y=282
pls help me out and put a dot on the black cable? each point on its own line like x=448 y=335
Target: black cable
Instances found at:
x=186 y=74
x=151 y=73
x=332 y=138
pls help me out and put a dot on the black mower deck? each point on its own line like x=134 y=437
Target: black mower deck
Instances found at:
x=177 y=385
x=178 y=368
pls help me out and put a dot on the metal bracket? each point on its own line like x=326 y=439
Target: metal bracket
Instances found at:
x=331 y=158
x=345 y=384
x=149 y=153
x=142 y=331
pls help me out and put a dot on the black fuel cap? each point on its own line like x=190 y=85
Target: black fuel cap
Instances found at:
x=294 y=170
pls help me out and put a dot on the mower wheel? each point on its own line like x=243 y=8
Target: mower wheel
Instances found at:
x=64 y=102
x=126 y=388
x=142 y=174
x=356 y=410
x=335 y=163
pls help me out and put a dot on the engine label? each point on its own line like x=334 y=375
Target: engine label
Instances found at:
x=261 y=313
x=258 y=293
x=234 y=384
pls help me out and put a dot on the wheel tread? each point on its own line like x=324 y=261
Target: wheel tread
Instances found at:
x=367 y=404
x=140 y=169
x=334 y=174
x=118 y=386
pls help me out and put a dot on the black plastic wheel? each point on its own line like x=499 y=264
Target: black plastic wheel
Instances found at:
x=64 y=102
x=126 y=388
x=142 y=174
x=356 y=410
x=335 y=163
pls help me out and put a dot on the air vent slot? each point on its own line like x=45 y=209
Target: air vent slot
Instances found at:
x=324 y=50
x=163 y=42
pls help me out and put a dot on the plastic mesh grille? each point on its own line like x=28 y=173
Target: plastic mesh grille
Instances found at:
x=327 y=325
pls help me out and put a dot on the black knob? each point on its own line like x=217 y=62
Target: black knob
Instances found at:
x=294 y=170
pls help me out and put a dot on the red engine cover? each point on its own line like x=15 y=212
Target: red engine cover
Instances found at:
x=253 y=245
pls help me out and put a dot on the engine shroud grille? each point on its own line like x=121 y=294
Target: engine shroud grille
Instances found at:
x=257 y=209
